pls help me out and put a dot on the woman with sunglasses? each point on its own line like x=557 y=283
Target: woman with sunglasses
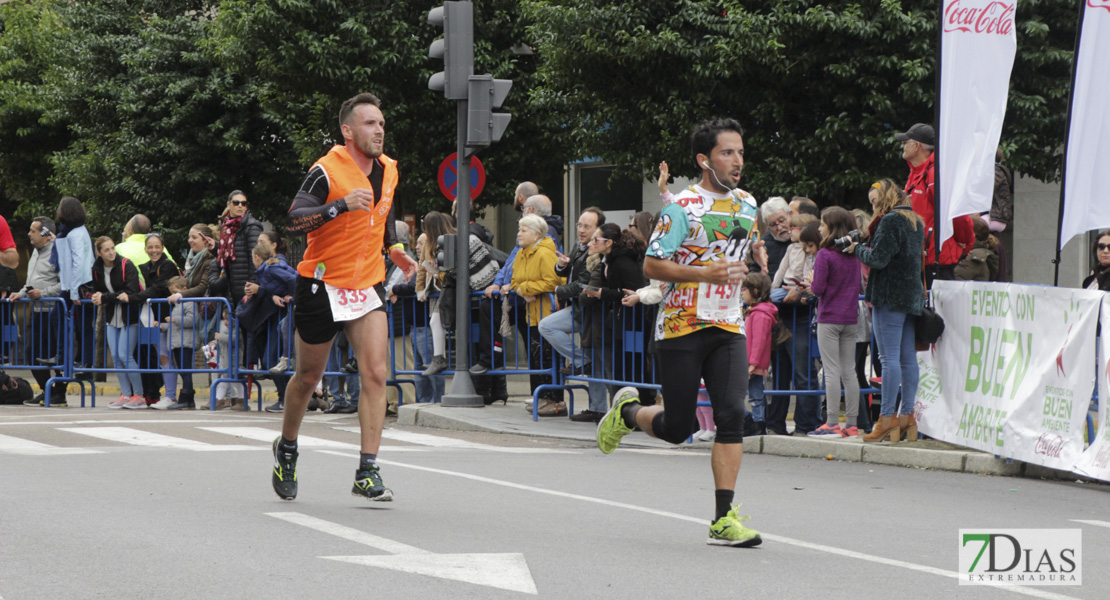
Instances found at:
x=1099 y=279
x=231 y=274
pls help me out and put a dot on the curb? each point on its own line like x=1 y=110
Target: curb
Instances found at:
x=901 y=455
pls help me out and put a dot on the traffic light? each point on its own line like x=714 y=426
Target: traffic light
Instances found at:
x=456 y=48
x=483 y=126
x=445 y=252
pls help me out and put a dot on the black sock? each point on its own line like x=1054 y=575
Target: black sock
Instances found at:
x=286 y=446
x=724 y=502
x=367 y=461
x=628 y=413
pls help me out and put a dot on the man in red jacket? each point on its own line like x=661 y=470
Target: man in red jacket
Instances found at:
x=918 y=143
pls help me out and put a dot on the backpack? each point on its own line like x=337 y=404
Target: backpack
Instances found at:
x=973 y=267
x=780 y=334
x=14 y=390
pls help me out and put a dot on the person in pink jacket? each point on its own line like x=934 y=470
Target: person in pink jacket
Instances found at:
x=759 y=317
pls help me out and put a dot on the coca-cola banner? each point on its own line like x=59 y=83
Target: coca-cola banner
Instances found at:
x=1085 y=206
x=978 y=43
x=1014 y=371
x=1095 y=462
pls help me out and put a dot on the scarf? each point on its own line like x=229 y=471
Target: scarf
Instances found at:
x=228 y=231
x=193 y=259
x=63 y=230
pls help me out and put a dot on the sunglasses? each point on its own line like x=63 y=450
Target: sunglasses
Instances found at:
x=239 y=202
x=1102 y=247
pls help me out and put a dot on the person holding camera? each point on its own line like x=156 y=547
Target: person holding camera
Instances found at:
x=45 y=320
x=836 y=283
x=895 y=290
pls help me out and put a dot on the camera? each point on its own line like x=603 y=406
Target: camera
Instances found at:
x=848 y=240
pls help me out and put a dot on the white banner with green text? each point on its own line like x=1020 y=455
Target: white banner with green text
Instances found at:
x=1095 y=462
x=1014 y=371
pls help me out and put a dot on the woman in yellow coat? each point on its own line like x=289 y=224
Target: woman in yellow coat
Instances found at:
x=534 y=280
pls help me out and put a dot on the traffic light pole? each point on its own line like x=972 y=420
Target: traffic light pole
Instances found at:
x=462 y=392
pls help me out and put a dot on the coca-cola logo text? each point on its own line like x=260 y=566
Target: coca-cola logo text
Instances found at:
x=995 y=18
x=1099 y=4
x=1049 y=446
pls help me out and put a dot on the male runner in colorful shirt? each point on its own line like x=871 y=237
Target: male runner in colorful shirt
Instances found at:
x=699 y=245
x=345 y=206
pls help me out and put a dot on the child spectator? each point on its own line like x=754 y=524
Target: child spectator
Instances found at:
x=793 y=265
x=707 y=429
x=178 y=330
x=260 y=317
x=837 y=283
x=113 y=275
x=981 y=262
x=225 y=392
x=760 y=316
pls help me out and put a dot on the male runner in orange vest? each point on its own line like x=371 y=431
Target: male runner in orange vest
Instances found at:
x=345 y=206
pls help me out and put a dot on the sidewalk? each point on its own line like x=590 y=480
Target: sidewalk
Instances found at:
x=513 y=419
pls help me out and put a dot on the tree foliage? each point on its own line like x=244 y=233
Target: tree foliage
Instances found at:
x=819 y=87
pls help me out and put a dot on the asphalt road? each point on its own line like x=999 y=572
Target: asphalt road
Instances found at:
x=113 y=504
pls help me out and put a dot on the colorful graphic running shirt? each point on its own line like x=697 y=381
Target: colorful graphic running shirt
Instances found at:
x=696 y=229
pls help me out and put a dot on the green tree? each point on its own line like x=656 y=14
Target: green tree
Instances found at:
x=819 y=87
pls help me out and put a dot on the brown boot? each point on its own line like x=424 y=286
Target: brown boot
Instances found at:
x=908 y=425
x=886 y=427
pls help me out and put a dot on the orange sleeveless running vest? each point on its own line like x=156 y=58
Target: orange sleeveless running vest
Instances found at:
x=350 y=245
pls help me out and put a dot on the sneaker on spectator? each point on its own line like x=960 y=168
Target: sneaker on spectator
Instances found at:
x=136 y=402
x=438 y=364
x=826 y=431
x=350 y=368
x=478 y=369
x=852 y=431
x=708 y=435
x=281 y=367
x=119 y=403
x=587 y=416
x=276 y=407
x=39 y=400
x=163 y=404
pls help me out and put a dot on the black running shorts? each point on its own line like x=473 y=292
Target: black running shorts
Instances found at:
x=312 y=311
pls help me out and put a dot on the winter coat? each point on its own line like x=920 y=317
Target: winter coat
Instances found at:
x=157 y=276
x=836 y=282
x=124 y=278
x=255 y=313
x=229 y=282
x=576 y=272
x=180 y=327
x=534 y=275
x=757 y=329
x=894 y=256
x=276 y=279
x=197 y=279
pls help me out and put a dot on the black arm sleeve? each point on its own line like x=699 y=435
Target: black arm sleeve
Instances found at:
x=311 y=209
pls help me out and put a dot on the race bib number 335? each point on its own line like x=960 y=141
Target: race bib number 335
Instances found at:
x=348 y=305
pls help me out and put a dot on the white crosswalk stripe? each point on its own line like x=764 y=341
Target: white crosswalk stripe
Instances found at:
x=262 y=434
x=137 y=437
x=14 y=445
x=437 y=441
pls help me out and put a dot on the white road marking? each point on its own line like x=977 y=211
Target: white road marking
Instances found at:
x=661 y=452
x=1099 y=523
x=438 y=441
x=14 y=445
x=137 y=437
x=504 y=571
x=348 y=533
x=130 y=422
x=262 y=434
x=1036 y=593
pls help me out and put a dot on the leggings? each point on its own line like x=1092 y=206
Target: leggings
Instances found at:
x=721 y=359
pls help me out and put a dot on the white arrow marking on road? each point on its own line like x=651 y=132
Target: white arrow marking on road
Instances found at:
x=504 y=571
x=262 y=434
x=1099 y=523
x=14 y=445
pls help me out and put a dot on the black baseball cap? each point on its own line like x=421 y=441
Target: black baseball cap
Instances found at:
x=920 y=132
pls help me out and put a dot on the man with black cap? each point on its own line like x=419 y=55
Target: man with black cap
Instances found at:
x=918 y=143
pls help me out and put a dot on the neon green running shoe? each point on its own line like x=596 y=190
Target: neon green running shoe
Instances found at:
x=611 y=428
x=729 y=530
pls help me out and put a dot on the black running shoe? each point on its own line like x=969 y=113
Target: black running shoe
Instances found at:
x=368 y=484
x=285 y=473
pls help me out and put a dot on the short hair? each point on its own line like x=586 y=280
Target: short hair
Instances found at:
x=807 y=206
x=349 y=105
x=539 y=204
x=527 y=188
x=535 y=223
x=45 y=223
x=773 y=205
x=801 y=220
x=100 y=241
x=811 y=233
x=597 y=211
x=177 y=282
x=704 y=137
x=402 y=232
x=140 y=224
x=71 y=212
x=982 y=230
